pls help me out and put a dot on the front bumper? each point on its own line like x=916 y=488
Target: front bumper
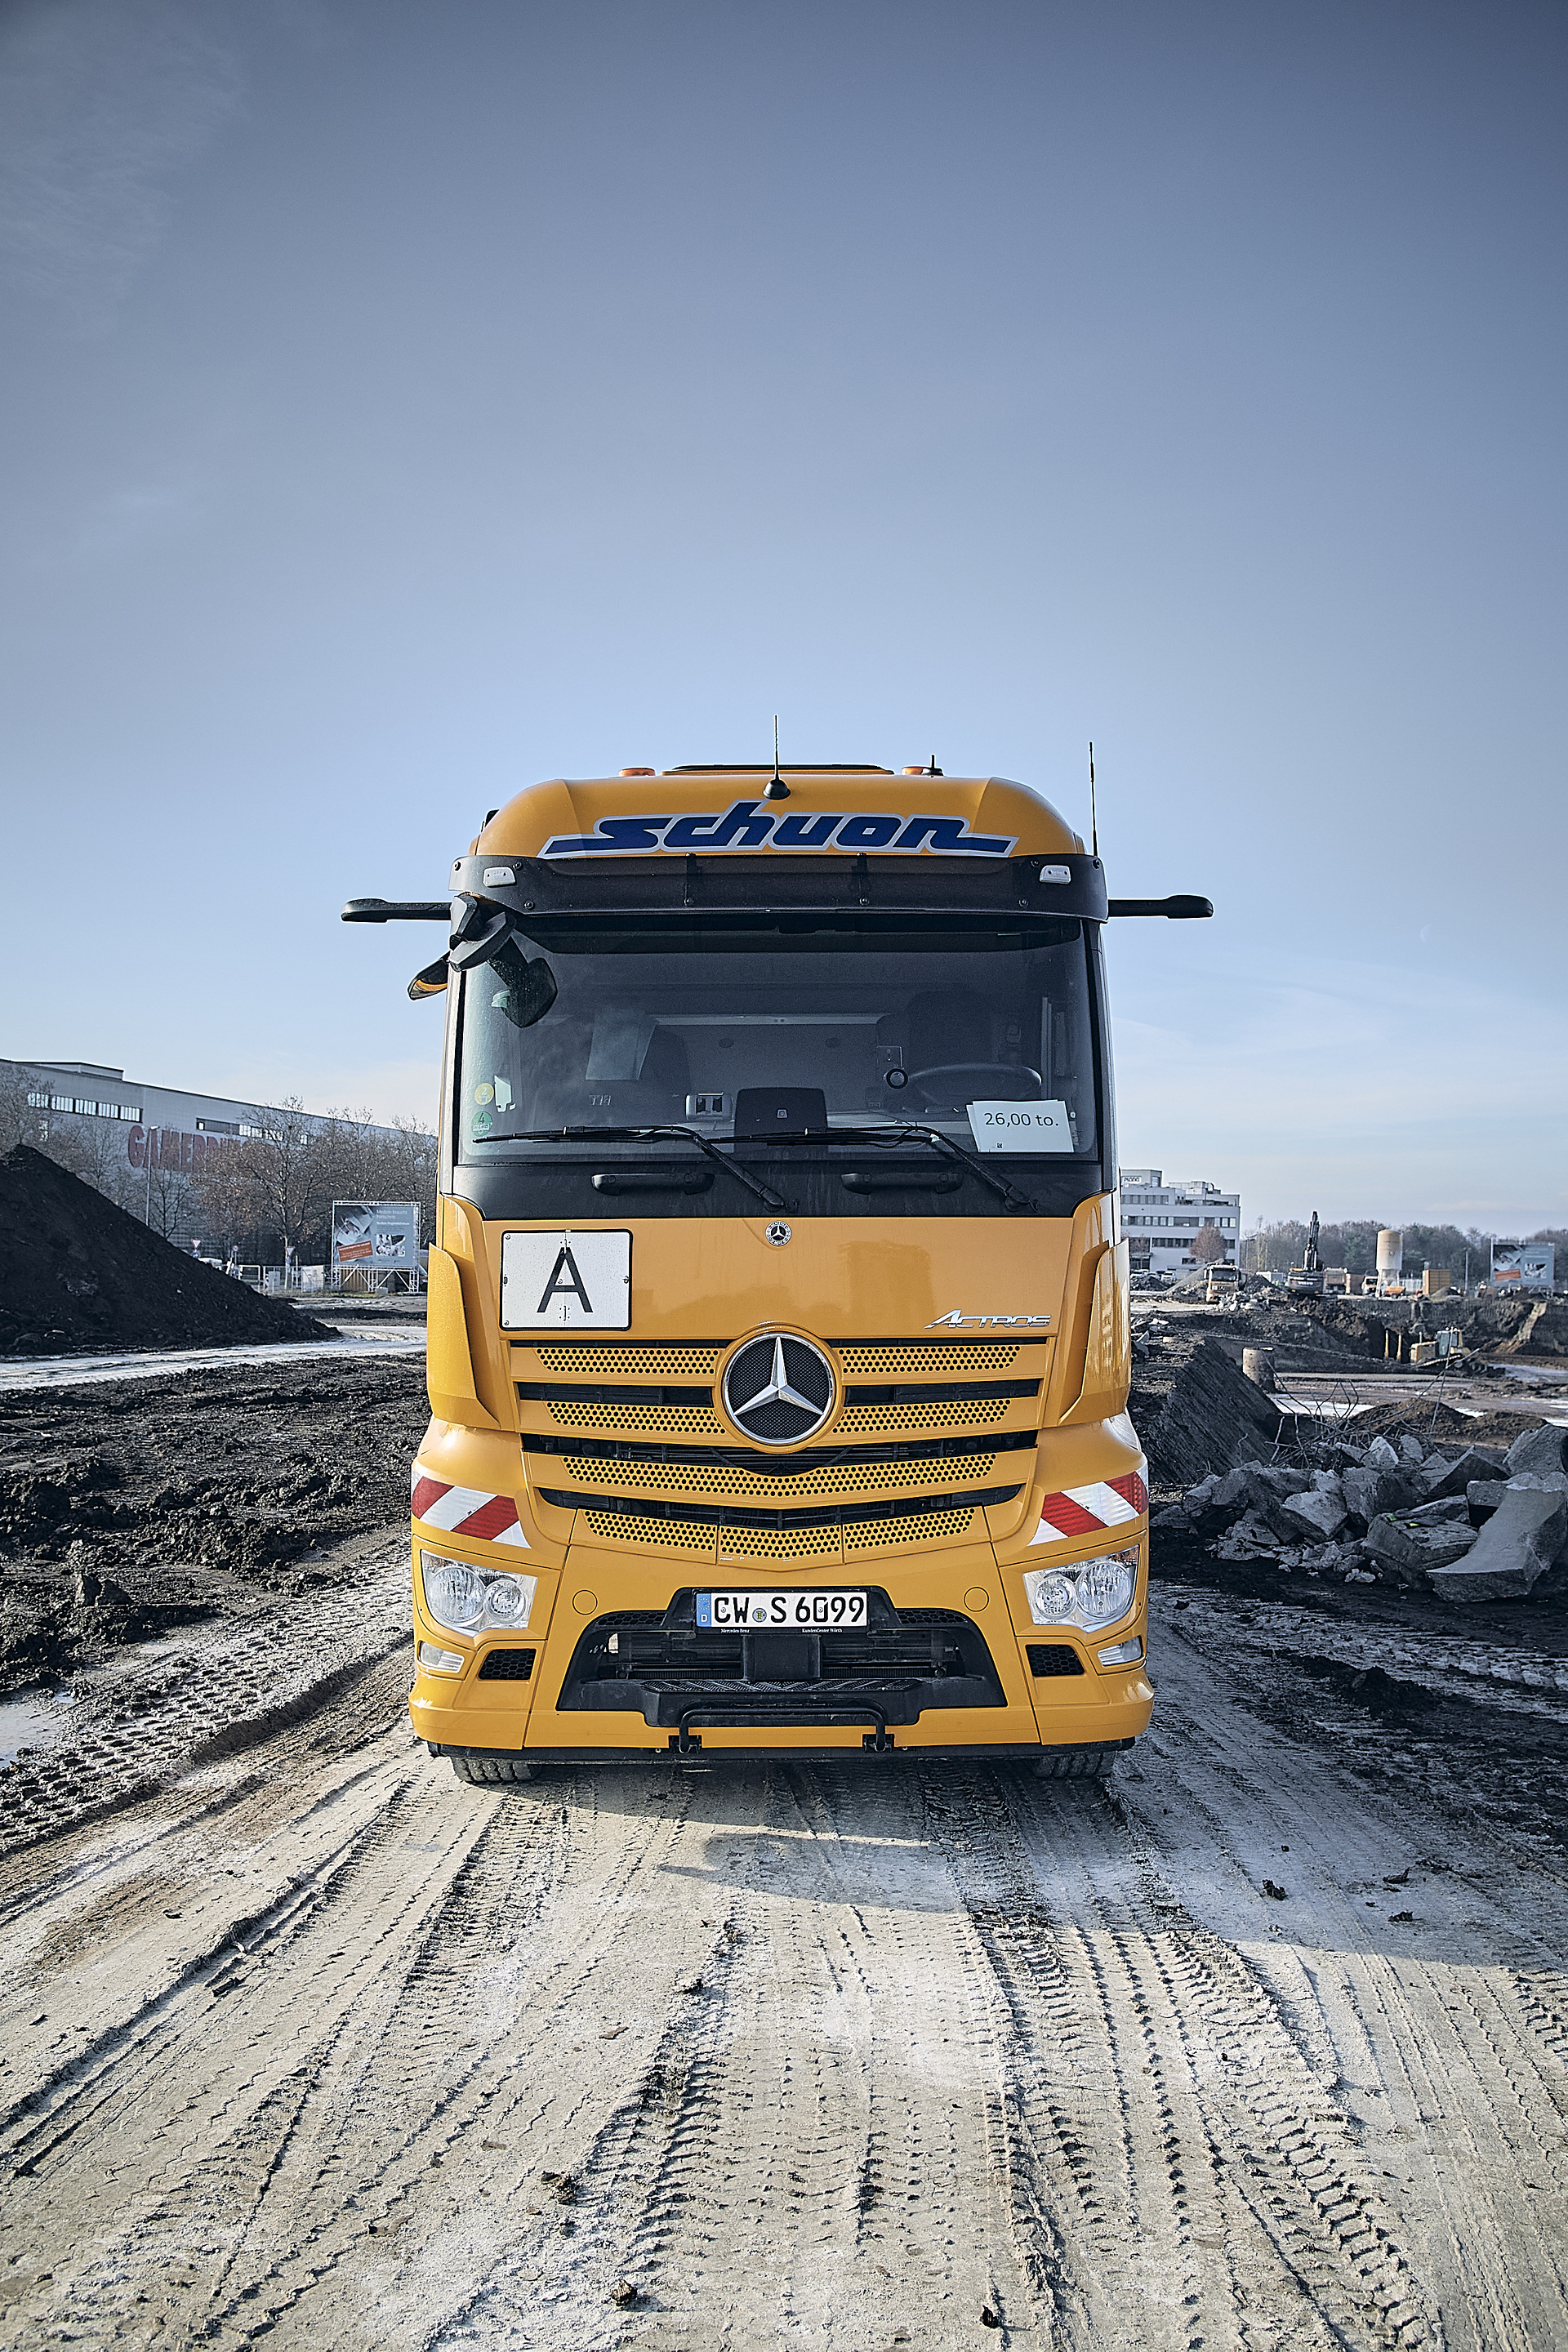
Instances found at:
x=947 y=1665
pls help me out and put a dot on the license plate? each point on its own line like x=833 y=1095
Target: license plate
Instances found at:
x=815 y=1611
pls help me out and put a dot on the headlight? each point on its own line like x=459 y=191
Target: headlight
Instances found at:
x=1090 y=1594
x=473 y=1599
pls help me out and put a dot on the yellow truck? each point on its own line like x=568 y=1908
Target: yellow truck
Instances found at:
x=778 y=1321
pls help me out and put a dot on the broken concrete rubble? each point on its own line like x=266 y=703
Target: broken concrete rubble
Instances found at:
x=1475 y=1462
x=1370 y=1493
x=1416 y=1542
x=1420 y=1520
x=1542 y=1451
x=1514 y=1549
x=1322 y=1509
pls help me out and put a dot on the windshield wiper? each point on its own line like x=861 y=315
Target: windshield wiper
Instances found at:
x=769 y=1199
x=1009 y=1193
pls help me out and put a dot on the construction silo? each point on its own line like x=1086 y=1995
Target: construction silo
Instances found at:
x=1390 y=1258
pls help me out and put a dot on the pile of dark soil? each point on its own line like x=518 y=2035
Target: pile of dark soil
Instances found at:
x=78 y=1273
x=131 y=1507
x=1409 y=1416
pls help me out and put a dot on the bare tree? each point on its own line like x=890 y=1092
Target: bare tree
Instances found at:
x=1208 y=1245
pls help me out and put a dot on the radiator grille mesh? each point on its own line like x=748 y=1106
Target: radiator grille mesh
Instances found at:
x=627 y=1363
x=769 y=1543
x=746 y=1485
x=944 y=1363
x=650 y=1419
x=662 y=1534
x=873 y=1420
x=927 y=1529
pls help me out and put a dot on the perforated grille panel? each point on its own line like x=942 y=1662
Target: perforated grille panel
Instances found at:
x=746 y=1485
x=767 y=1543
x=925 y=1529
x=648 y=1420
x=942 y=1363
x=872 y=1419
x=663 y=1533
x=630 y=1363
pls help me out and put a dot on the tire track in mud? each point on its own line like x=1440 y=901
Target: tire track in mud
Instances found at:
x=235 y=1689
x=351 y=2145
x=1424 y=2021
x=1138 y=2132
x=824 y=2053
x=752 y=2178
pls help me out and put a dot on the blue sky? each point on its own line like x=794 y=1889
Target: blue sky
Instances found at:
x=406 y=402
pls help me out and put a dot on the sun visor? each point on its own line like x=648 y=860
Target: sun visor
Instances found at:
x=1060 y=883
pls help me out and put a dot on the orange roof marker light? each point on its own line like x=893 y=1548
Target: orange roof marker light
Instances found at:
x=639 y=772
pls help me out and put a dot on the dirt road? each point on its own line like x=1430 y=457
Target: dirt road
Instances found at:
x=305 y=2041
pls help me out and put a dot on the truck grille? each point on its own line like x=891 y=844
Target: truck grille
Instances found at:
x=637 y=1431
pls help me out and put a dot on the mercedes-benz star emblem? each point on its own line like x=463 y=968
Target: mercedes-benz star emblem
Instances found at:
x=779 y=1388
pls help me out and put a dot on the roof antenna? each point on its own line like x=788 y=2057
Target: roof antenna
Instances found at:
x=777 y=790
x=934 y=769
x=1093 y=815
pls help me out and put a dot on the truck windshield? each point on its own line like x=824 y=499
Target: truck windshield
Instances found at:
x=729 y=1024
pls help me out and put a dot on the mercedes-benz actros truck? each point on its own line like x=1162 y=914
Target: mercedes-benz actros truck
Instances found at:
x=779 y=1341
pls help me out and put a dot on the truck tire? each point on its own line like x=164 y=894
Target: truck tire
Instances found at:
x=486 y=1767
x=1077 y=1763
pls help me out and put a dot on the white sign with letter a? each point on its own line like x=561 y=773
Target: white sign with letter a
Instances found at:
x=569 y=1281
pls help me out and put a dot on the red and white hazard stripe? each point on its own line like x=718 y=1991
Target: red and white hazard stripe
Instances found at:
x=465 y=1510
x=1084 y=1510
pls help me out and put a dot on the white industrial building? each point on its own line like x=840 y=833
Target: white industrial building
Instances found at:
x=1160 y=1222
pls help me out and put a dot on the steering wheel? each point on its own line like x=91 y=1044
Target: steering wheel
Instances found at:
x=949 y=1083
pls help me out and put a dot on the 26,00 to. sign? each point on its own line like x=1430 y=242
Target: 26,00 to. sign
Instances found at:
x=1020 y=1127
x=814 y=1612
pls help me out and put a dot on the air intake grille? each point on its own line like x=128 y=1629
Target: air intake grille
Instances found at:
x=846 y=1515
x=506 y=1665
x=690 y=1478
x=926 y=1529
x=947 y=1356
x=766 y=1543
x=868 y=1420
x=586 y=1363
x=1048 y=1658
x=615 y=1526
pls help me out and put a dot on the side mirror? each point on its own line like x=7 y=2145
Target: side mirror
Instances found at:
x=431 y=981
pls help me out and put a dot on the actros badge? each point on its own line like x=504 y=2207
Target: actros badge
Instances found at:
x=955 y=1321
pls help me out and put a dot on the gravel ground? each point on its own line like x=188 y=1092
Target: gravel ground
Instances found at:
x=1263 y=2044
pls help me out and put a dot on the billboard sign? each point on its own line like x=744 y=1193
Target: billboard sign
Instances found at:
x=1523 y=1266
x=375 y=1237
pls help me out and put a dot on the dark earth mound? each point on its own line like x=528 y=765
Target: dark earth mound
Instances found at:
x=77 y=1275
x=127 y=1507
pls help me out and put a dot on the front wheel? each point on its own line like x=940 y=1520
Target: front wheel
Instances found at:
x=486 y=1767
x=1077 y=1763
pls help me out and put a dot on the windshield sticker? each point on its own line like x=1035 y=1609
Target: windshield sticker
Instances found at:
x=746 y=824
x=1020 y=1127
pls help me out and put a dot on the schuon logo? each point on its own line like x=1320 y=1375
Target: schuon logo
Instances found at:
x=746 y=824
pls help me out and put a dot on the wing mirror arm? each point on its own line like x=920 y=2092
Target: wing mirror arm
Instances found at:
x=1180 y=910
